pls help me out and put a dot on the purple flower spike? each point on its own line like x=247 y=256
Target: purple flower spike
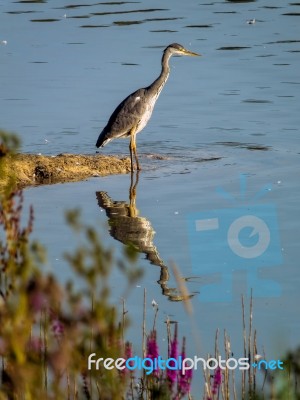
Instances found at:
x=152 y=350
x=128 y=354
x=217 y=381
x=184 y=380
x=152 y=347
x=172 y=373
x=128 y=350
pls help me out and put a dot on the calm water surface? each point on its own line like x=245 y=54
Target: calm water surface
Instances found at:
x=64 y=68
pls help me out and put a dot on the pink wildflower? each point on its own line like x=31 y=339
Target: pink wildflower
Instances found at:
x=35 y=344
x=57 y=328
x=36 y=296
x=37 y=301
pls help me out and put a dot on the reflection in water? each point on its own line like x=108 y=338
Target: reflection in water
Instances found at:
x=129 y=228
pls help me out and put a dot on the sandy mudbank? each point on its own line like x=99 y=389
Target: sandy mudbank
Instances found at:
x=30 y=169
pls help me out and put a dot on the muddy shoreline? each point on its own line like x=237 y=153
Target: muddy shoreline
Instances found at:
x=31 y=169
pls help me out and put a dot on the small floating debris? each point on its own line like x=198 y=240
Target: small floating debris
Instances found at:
x=251 y=21
x=3 y=42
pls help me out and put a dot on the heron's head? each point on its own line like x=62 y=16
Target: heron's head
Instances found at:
x=177 y=49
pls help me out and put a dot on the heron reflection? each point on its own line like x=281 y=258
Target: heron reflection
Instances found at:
x=126 y=226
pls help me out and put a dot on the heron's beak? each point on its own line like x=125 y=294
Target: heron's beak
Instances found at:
x=189 y=53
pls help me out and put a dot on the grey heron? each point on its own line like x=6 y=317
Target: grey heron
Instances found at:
x=134 y=112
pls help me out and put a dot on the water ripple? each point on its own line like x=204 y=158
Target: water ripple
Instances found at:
x=199 y=26
x=234 y=47
x=94 y=26
x=45 y=20
x=21 y=12
x=292 y=14
x=241 y=1
x=248 y=146
x=111 y=3
x=284 y=41
x=258 y=101
x=146 y=10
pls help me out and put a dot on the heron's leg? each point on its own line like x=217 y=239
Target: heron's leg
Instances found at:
x=136 y=158
x=131 y=153
x=135 y=154
x=132 y=148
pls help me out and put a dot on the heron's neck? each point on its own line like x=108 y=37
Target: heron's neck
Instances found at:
x=159 y=83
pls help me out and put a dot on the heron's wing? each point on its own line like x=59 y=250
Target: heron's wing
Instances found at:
x=127 y=115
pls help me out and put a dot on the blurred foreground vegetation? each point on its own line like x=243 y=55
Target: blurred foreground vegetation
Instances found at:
x=47 y=330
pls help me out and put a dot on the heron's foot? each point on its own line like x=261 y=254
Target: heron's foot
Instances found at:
x=133 y=168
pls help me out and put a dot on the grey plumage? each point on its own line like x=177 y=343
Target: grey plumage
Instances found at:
x=126 y=115
x=133 y=113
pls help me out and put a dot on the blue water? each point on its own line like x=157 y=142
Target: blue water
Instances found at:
x=233 y=111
